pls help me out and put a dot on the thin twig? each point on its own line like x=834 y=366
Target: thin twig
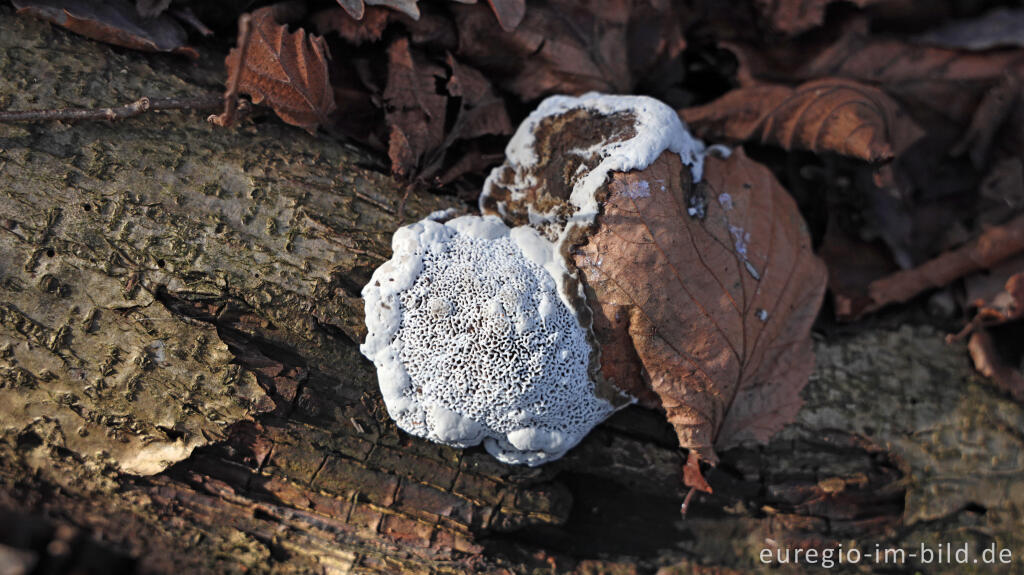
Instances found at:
x=189 y=17
x=401 y=204
x=227 y=118
x=991 y=247
x=138 y=107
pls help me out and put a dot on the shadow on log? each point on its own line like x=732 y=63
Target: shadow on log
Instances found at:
x=181 y=388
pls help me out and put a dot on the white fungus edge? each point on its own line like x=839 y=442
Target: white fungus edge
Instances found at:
x=658 y=128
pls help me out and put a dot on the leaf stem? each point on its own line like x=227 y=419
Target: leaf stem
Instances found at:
x=227 y=118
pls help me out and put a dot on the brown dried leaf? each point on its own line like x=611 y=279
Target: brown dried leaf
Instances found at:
x=934 y=85
x=1007 y=305
x=692 y=475
x=415 y=110
x=989 y=363
x=571 y=47
x=997 y=294
x=426 y=118
x=356 y=30
x=997 y=28
x=990 y=116
x=287 y=70
x=791 y=17
x=828 y=115
x=509 y=13
x=719 y=308
x=852 y=265
x=112 y=21
x=482 y=112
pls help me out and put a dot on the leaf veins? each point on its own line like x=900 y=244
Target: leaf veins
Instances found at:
x=287 y=70
x=718 y=308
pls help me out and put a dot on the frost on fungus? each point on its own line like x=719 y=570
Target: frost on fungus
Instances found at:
x=473 y=342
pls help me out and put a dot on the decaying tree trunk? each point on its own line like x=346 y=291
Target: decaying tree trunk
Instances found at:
x=181 y=388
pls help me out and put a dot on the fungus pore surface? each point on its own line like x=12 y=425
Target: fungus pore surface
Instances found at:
x=473 y=343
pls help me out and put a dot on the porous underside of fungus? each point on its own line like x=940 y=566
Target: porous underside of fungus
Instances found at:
x=473 y=342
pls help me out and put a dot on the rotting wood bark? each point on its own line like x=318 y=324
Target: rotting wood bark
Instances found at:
x=243 y=252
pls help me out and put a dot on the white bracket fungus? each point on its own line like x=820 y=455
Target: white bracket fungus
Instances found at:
x=481 y=333
x=472 y=341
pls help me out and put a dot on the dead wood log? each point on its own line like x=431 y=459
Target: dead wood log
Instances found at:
x=181 y=389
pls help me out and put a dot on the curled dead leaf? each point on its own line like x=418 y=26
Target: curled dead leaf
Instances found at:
x=935 y=86
x=989 y=363
x=570 y=47
x=829 y=115
x=792 y=17
x=287 y=70
x=424 y=121
x=369 y=27
x=112 y=21
x=509 y=13
x=415 y=110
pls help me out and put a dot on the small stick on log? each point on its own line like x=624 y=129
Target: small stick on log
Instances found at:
x=136 y=108
x=987 y=250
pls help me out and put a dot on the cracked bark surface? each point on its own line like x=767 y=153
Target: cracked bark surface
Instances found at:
x=182 y=302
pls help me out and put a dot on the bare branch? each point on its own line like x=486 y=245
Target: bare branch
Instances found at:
x=138 y=107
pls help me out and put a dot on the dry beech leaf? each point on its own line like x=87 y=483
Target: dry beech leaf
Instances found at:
x=424 y=121
x=792 y=17
x=718 y=308
x=852 y=265
x=828 y=115
x=992 y=114
x=997 y=28
x=570 y=47
x=415 y=110
x=112 y=21
x=368 y=28
x=932 y=84
x=287 y=70
x=998 y=295
x=999 y=298
x=509 y=13
x=989 y=363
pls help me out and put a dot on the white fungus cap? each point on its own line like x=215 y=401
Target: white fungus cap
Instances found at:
x=473 y=341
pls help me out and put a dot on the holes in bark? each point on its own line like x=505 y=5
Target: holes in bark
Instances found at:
x=29 y=440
